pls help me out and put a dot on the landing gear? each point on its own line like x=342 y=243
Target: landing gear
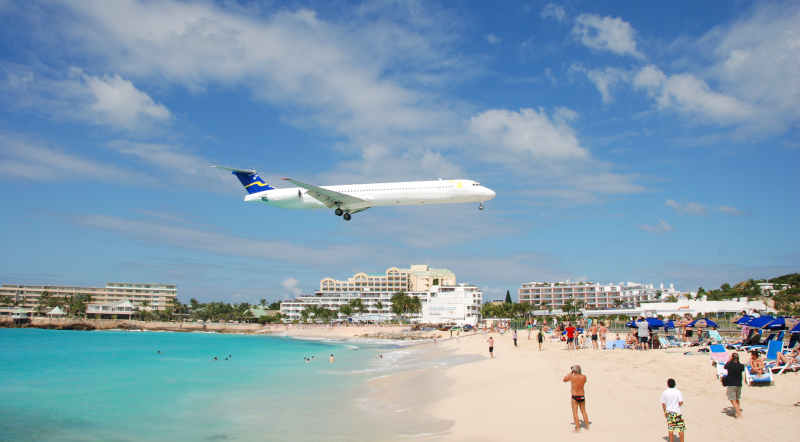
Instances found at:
x=346 y=216
x=481 y=206
x=338 y=212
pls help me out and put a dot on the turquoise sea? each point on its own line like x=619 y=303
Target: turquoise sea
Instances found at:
x=115 y=386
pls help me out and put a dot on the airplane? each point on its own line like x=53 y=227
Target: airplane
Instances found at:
x=353 y=198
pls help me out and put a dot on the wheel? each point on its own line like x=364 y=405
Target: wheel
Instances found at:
x=480 y=207
x=347 y=217
x=338 y=212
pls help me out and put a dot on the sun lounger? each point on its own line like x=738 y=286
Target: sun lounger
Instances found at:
x=719 y=356
x=676 y=343
x=773 y=348
x=752 y=378
x=619 y=343
x=717 y=338
x=765 y=342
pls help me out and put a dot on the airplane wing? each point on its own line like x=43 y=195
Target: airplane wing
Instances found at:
x=327 y=197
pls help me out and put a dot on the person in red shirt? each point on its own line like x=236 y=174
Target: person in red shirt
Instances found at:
x=570 y=336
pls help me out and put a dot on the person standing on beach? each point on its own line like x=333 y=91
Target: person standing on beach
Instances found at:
x=594 y=336
x=458 y=336
x=603 y=332
x=540 y=338
x=515 y=337
x=578 y=381
x=491 y=347
x=671 y=401
x=644 y=332
x=735 y=372
x=570 y=336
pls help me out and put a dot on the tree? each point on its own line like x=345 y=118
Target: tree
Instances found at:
x=508 y=297
x=194 y=304
x=346 y=310
x=275 y=306
x=379 y=306
x=145 y=312
x=263 y=303
x=618 y=303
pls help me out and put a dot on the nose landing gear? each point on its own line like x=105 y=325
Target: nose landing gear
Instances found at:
x=481 y=206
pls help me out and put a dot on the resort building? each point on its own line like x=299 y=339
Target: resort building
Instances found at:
x=685 y=306
x=145 y=296
x=418 y=278
x=551 y=296
x=118 y=310
x=459 y=304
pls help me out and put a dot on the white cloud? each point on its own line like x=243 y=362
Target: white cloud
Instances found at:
x=529 y=133
x=606 y=79
x=657 y=229
x=757 y=60
x=606 y=33
x=553 y=11
x=690 y=96
x=697 y=209
x=118 y=103
x=291 y=285
x=493 y=39
x=22 y=157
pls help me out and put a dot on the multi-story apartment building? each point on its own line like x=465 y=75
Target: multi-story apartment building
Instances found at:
x=157 y=296
x=418 y=278
x=595 y=296
x=458 y=304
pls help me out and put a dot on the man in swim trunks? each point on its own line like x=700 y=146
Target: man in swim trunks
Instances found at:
x=603 y=332
x=594 y=336
x=570 y=336
x=491 y=347
x=540 y=338
x=671 y=401
x=578 y=381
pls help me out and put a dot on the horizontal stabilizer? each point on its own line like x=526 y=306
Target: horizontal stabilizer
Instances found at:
x=246 y=172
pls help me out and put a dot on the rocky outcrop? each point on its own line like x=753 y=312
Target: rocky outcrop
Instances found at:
x=398 y=336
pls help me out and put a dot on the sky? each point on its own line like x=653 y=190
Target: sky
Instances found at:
x=651 y=142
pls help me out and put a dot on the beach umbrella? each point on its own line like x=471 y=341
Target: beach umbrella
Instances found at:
x=744 y=320
x=704 y=322
x=651 y=323
x=795 y=329
x=782 y=324
x=760 y=321
x=669 y=324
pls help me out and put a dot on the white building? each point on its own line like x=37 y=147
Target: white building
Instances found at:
x=595 y=296
x=460 y=305
x=157 y=296
x=468 y=298
x=122 y=310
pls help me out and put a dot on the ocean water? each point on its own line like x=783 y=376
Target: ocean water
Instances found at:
x=115 y=386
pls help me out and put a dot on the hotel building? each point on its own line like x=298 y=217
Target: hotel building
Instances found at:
x=418 y=281
x=158 y=296
x=595 y=296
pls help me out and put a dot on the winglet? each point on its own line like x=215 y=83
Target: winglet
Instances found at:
x=286 y=179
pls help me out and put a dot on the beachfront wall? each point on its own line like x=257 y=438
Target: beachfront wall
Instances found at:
x=685 y=306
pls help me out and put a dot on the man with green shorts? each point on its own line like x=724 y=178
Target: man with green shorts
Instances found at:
x=671 y=401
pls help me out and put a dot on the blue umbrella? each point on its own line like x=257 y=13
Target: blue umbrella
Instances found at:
x=761 y=321
x=669 y=324
x=795 y=329
x=782 y=324
x=744 y=320
x=651 y=323
x=704 y=322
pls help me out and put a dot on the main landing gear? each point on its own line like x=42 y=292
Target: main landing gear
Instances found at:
x=340 y=212
x=481 y=206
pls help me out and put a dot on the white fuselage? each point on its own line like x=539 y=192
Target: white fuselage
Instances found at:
x=381 y=194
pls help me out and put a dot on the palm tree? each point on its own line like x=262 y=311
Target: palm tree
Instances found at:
x=618 y=303
x=193 y=302
x=346 y=310
x=263 y=303
x=145 y=304
x=379 y=306
x=415 y=306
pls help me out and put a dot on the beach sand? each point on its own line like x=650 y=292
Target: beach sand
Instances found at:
x=521 y=393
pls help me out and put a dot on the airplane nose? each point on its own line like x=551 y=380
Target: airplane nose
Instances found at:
x=490 y=193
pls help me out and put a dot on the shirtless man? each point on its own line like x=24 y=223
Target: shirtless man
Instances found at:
x=578 y=396
x=594 y=336
x=491 y=347
x=331 y=359
x=603 y=332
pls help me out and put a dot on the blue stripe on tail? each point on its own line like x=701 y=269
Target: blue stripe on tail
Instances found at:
x=252 y=182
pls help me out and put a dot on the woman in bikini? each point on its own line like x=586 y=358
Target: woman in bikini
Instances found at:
x=756 y=363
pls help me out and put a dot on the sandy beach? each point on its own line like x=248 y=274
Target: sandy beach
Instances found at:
x=521 y=392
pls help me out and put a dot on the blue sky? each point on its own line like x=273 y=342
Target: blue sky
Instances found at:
x=626 y=141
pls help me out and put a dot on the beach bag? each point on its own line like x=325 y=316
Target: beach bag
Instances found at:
x=724 y=380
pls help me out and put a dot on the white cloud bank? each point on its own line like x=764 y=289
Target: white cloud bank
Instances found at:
x=657 y=229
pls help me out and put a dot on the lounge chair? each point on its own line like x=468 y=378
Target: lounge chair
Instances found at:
x=773 y=348
x=664 y=343
x=764 y=343
x=752 y=378
x=717 y=338
x=719 y=356
x=676 y=343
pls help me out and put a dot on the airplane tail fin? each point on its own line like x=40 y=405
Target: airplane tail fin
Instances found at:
x=249 y=179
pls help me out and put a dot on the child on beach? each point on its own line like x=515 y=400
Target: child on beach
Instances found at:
x=671 y=401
